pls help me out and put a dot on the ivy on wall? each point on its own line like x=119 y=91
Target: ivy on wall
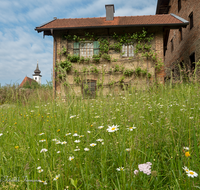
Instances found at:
x=140 y=40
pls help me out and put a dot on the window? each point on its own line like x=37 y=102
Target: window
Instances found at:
x=89 y=88
x=127 y=50
x=191 y=20
x=35 y=78
x=180 y=34
x=86 y=49
x=172 y=45
x=192 y=61
x=179 y=5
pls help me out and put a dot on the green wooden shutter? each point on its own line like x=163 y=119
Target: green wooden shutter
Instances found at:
x=96 y=47
x=76 y=48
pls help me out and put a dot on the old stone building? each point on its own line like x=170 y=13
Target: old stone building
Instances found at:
x=96 y=55
x=183 y=45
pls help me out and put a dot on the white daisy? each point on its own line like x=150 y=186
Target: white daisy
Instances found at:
x=54 y=139
x=64 y=142
x=1 y=134
x=99 y=140
x=43 y=150
x=86 y=149
x=39 y=167
x=41 y=134
x=186 y=169
x=40 y=171
x=71 y=158
x=75 y=135
x=77 y=141
x=43 y=140
x=76 y=149
x=112 y=128
x=56 y=178
x=120 y=169
x=72 y=116
x=101 y=127
x=192 y=174
x=58 y=152
x=128 y=149
x=131 y=128
x=186 y=148
x=45 y=183
x=58 y=142
x=93 y=144
x=68 y=134
x=88 y=131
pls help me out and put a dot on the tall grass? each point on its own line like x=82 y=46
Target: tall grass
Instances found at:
x=166 y=120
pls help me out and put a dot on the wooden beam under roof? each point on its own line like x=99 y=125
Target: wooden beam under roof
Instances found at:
x=162 y=7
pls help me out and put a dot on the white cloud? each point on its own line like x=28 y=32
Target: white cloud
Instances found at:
x=21 y=46
x=20 y=52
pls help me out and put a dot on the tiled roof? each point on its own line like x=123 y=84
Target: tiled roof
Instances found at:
x=165 y=19
x=26 y=79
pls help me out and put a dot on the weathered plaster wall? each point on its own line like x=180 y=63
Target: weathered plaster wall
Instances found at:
x=105 y=75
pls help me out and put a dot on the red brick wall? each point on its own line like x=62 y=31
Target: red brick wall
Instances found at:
x=191 y=37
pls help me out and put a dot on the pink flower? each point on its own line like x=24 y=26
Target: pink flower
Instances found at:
x=136 y=172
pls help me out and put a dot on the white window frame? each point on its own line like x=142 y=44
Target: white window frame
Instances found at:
x=128 y=50
x=86 y=49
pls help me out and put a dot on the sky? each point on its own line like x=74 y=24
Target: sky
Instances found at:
x=21 y=47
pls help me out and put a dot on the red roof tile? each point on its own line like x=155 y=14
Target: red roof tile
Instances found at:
x=26 y=79
x=166 y=19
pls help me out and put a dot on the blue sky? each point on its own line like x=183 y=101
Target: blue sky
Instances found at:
x=21 y=46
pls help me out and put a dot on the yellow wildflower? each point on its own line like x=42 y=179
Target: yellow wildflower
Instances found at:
x=187 y=154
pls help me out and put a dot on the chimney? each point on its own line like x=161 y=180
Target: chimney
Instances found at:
x=110 y=9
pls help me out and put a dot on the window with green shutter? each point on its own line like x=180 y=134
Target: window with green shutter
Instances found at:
x=86 y=49
x=76 y=48
x=96 y=47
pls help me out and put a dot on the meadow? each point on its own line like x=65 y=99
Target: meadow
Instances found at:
x=139 y=139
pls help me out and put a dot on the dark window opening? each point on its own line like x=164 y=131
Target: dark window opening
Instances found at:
x=192 y=61
x=89 y=88
x=172 y=45
x=179 y=5
x=191 y=20
x=180 y=34
x=182 y=64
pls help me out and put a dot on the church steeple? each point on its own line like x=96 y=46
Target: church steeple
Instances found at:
x=36 y=75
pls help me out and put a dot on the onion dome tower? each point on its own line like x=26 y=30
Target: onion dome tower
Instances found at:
x=37 y=76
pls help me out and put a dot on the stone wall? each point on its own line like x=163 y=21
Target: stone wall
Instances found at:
x=107 y=76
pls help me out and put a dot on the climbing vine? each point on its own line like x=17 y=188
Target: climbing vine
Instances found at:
x=142 y=48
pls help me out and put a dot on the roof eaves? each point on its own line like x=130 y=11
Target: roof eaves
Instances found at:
x=179 y=18
x=45 y=23
x=116 y=26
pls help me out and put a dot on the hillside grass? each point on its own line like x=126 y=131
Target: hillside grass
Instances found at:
x=153 y=126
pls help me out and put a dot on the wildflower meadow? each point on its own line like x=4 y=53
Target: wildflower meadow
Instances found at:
x=136 y=139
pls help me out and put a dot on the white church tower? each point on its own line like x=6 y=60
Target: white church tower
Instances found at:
x=37 y=76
